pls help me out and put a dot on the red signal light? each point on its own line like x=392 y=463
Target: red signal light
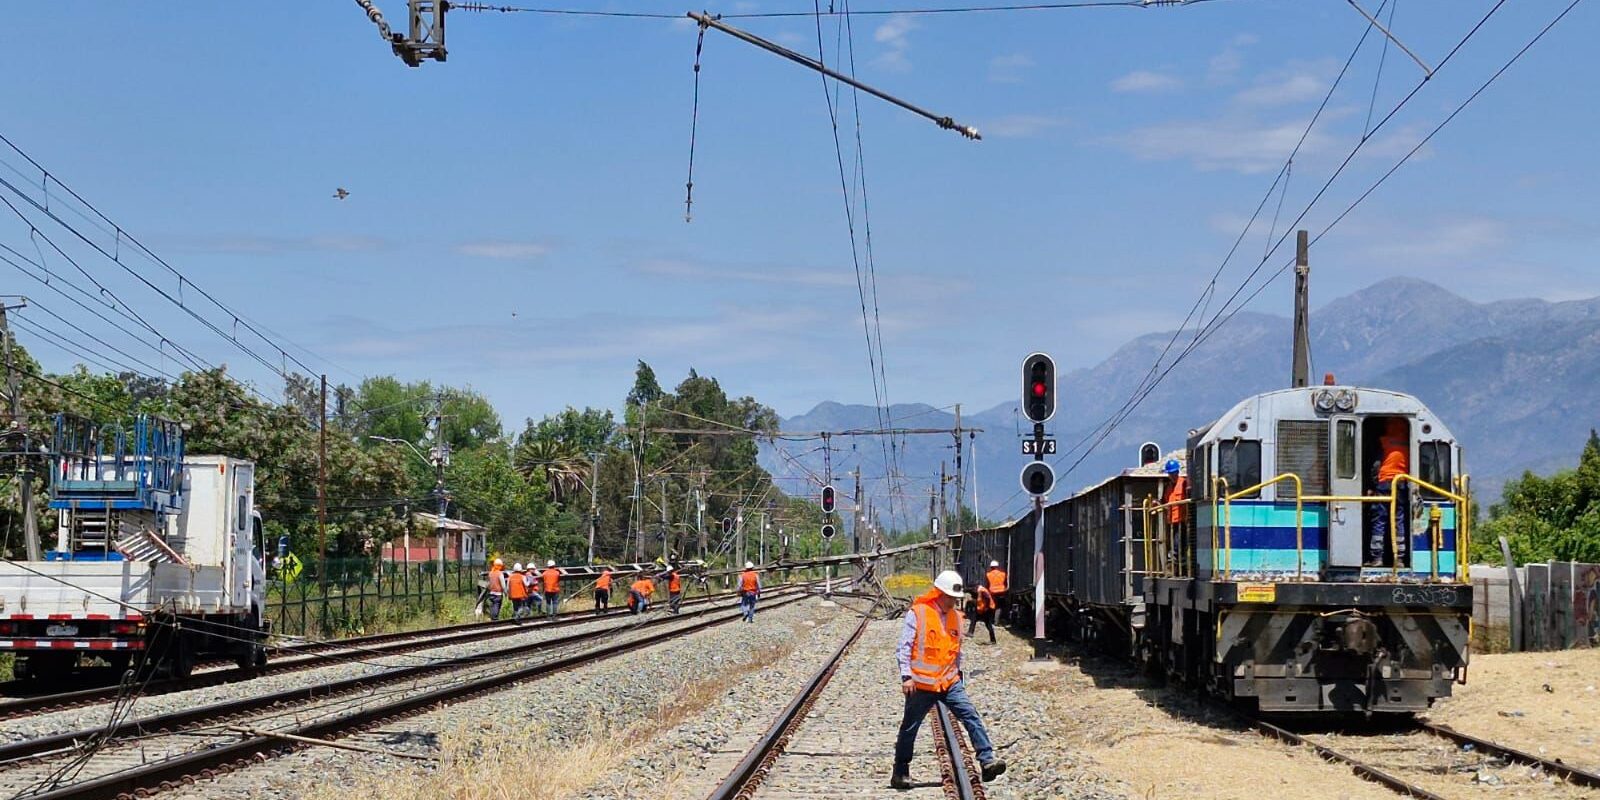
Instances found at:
x=1039 y=390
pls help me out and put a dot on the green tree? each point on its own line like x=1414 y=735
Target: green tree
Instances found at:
x=1547 y=518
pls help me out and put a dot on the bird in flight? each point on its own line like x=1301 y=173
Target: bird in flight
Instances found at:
x=341 y=193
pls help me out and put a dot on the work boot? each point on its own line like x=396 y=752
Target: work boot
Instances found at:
x=994 y=769
x=900 y=781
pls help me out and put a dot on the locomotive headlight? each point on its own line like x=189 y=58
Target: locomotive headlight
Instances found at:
x=1323 y=400
x=1345 y=400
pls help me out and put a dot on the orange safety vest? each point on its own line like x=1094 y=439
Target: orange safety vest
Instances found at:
x=748 y=582
x=1396 y=459
x=985 y=601
x=519 y=590
x=603 y=583
x=1180 y=491
x=497 y=581
x=552 y=581
x=674 y=585
x=937 y=643
x=997 y=580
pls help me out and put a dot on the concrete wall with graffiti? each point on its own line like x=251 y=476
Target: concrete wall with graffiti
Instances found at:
x=1559 y=606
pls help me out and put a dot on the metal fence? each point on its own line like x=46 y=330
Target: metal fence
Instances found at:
x=352 y=595
x=1557 y=606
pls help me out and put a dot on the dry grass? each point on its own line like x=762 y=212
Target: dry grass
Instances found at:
x=1542 y=702
x=477 y=762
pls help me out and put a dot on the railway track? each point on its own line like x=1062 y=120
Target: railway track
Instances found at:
x=159 y=752
x=285 y=659
x=1435 y=762
x=822 y=746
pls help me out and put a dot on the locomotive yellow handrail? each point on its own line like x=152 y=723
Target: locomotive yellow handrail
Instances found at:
x=1215 y=553
x=1151 y=511
x=1299 y=520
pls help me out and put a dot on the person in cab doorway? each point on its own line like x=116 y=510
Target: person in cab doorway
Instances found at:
x=495 y=593
x=929 y=656
x=552 y=588
x=517 y=590
x=639 y=593
x=674 y=590
x=749 y=591
x=983 y=608
x=1395 y=461
x=602 y=590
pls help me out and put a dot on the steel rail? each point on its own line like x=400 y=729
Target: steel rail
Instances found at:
x=958 y=769
x=177 y=720
x=173 y=771
x=747 y=775
x=1570 y=773
x=291 y=659
x=1360 y=768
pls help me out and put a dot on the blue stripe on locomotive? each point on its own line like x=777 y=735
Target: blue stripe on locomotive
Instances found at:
x=1263 y=536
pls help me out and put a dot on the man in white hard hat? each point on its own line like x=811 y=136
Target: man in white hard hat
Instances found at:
x=930 y=672
x=551 y=583
x=749 y=590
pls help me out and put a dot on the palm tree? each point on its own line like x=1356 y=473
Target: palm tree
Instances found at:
x=561 y=467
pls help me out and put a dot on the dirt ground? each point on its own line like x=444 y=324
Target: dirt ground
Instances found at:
x=1161 y=744
x=1544 y=703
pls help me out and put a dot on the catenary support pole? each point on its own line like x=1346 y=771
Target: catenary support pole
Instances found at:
x=1040 y=650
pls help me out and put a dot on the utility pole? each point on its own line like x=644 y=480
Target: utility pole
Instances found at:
x=30 y=526
x=943 y=529
x=933 y=526
x=700 y=515
x=666 y=529
x=594 y=501
x=856 y=511
x=738 y=536
x=637 y=515
x=960 y=474
x=322 y=481
x=1302 y=322
x=441 y=458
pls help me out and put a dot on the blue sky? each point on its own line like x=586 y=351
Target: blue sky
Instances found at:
x=516 y=221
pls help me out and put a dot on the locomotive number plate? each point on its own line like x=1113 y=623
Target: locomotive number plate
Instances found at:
x=61 y=630
x=1258 y=593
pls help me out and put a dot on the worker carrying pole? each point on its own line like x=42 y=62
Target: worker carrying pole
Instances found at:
x=929 y=656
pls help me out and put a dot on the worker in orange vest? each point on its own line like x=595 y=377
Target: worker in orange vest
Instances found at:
x=552 y=588
x=639 y=593
x=674 y=590
x=517 y=590
x=929 y=655
x=984 y=608
x=1395 y=443
x=1176 y=493
x=749 y=591
x=996 y=580
x=602 y=590
x=495 y=591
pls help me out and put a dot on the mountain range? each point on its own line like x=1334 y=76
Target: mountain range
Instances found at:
x=1517 y=381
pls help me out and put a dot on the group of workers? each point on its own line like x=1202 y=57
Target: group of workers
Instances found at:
x=530 y=589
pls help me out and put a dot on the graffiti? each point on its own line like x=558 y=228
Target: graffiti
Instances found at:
x=1586 y=603
x=1424 y=596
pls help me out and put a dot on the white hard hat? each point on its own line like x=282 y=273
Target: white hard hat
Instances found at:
x=949 y=582
x=749 y=565
x=550 y=563
x=994 y=563
x=517 y=567
x=499 y=563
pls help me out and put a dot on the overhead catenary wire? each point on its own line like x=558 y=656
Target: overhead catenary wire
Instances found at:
x=834 y=12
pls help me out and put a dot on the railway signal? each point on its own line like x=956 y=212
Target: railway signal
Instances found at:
x=727 y=525
x=829 y=498
x=1038 y=478
x=1039 y=387
x=828 y=531
x=1149 y=453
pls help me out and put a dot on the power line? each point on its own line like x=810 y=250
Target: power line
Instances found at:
x=842 y=12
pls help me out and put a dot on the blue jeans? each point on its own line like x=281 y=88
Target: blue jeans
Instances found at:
x=552 y=603
x=492 y=605
x=747 y=604
x=1380 y=550
x=919 y=703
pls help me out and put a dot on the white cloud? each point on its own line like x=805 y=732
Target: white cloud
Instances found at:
x=1240 y=145
x=249 y=244
x=1009 y=68
x=1224 y=66
x=1022 y=126
x=894 y=35
x=1440 y=240
x=505 y=251
x=1296 y=83
x=687 y=270
x=1144 y=80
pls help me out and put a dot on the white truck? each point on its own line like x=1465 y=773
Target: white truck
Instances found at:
x=156 y=565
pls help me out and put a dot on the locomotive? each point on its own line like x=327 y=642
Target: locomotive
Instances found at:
x=1292 y=575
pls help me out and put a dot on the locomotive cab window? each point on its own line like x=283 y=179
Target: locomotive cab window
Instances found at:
x=1239 y=463
x=1200 y=473
x=1433 y=466
x=1345 y=449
